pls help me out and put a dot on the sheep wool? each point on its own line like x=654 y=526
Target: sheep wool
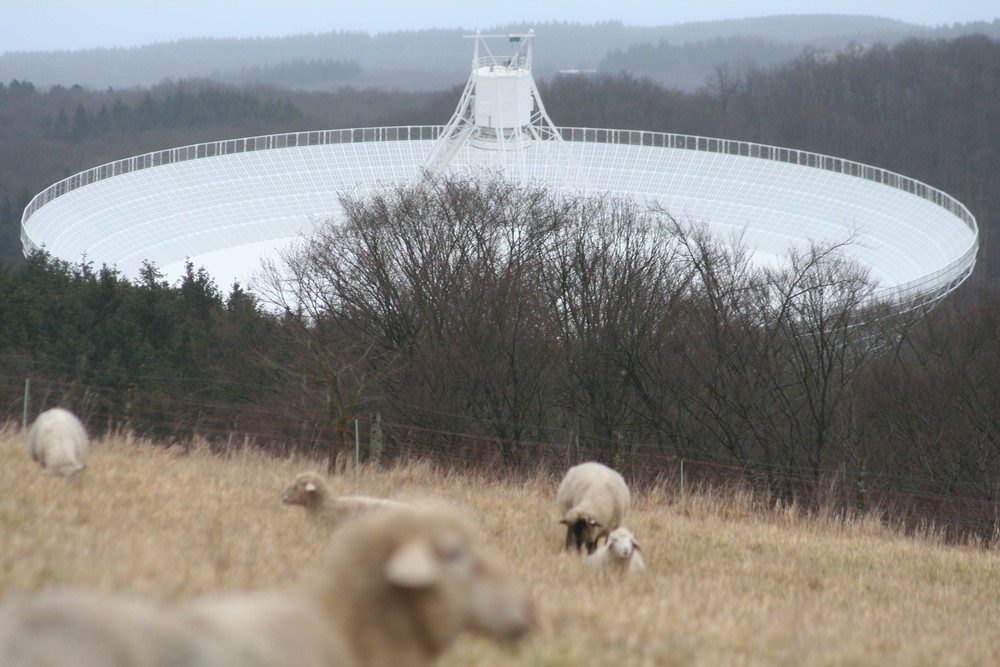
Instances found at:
x=593 y=500
x=402 y=584
x=395 y=590
x=57 y=441
x=620 y=555
x=311 y=492
x=77 y=628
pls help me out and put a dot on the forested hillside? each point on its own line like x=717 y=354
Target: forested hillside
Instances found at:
x=675 y=55
x=566 y=340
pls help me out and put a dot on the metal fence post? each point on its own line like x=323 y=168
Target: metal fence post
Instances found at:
x=357 y=450
x=861 y=490
x=683 y=497
x=842 y=492
x=376 y=439
x=24 y=411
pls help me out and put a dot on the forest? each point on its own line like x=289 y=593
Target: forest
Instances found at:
x=678 y=55
x=587 y=329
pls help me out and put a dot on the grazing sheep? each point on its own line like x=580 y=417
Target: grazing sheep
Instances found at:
x=593 y=500
x=58 y=442
x=621 y=554
x=311 y=492
x=396 y=589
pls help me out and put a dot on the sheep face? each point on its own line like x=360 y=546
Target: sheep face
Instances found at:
x=622 y=543
x=581 y=531
x=408 y=580
x=306 y=490
x=449 y=578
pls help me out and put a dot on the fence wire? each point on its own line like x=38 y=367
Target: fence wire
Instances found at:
x=367 y=439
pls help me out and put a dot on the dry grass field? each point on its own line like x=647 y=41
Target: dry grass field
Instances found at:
x=727 y=585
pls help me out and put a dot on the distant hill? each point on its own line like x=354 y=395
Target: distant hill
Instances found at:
x=437 y=59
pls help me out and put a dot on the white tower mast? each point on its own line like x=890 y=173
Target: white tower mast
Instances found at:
x=501 y=114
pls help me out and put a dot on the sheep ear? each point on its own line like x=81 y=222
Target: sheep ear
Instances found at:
x=310 y=487
x=413 y=565
x=564 y=522
x=638 y=547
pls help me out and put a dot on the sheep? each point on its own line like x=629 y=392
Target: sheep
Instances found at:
x=593 y=500
x=57 y=441
x=311 y=492
x=79 y=628
x=620 y=555
x=76 y=628
x=401 y=584
x=396 y=589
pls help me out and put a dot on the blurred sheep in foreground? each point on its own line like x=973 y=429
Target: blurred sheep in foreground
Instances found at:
x=57 y=441
x=395 y=590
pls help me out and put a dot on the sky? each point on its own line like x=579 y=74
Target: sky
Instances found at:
x=53 y=25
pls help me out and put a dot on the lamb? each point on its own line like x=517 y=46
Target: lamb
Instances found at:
x=57 y=441
x=620 y=555
x=311 y=491
x=593 y=500
x=397 y=587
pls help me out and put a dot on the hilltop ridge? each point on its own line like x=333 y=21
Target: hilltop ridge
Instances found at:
x=436 y=59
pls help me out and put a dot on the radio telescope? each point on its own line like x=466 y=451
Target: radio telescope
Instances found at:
x=226 y=204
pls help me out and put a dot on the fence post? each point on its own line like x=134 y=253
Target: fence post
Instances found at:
x=24 y=411
x=618 y=455
x=376 y=438
x=131 y=411
x=841 y=483
x=683 y=497
x=860 y=500
x=575 y=452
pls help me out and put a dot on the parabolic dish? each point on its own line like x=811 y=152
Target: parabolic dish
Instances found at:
x=224 y=205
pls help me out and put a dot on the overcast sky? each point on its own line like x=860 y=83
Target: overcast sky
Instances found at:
x=46 y=25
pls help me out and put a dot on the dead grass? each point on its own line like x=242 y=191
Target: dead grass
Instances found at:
x=727 y=585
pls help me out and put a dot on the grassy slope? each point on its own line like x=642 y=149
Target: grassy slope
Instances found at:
x=727 y=585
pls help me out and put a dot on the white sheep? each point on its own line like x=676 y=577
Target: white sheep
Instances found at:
x=57 y=440
x=593 y=500
x=76 y=628
x=311 y=491
x=395 y=590
x=620 y=555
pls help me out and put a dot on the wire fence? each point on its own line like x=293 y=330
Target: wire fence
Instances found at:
x=372 y=441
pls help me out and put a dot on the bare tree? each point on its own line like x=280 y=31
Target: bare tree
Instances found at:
x=438 y=283
x=712 y=370
x=827 y=329
x=334 y=370
x=762 y=364
x=479 y=306
x=612 y=278
x=934 y=407
x=723 y=83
